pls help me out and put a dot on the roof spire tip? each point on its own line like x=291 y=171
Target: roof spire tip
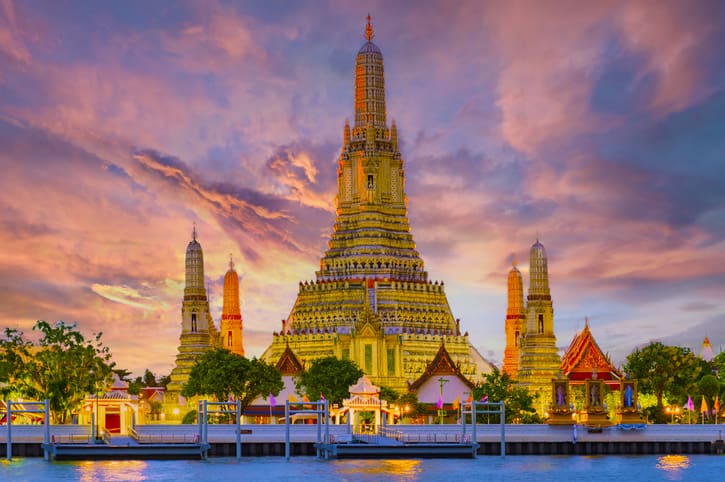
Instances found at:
x=369 y=30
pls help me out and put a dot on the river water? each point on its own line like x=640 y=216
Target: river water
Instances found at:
x=512 y=468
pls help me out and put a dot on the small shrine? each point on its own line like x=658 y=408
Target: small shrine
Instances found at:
x=561 y=406
x=364 y=398
x=442 y=386
x=584 y=363
x=629 y=412
x=595 y=411
x=112 y=411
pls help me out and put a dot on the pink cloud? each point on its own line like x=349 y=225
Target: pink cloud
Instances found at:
x=671 y=36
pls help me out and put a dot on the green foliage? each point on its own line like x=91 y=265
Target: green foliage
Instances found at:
x=189 y=417
x=224 y=375
x=122 y=374
x=149 y=379
x=518 y=402
x=389 y=395
x=163 y=381
x=719 y=362
x=666 y=371
x=134 y=387
x=63 y=367
x=709 y=386
x=330 y=377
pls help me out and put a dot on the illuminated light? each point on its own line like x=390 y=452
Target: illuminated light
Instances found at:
x=673 y=463
x=175 y=411
x=399 y=469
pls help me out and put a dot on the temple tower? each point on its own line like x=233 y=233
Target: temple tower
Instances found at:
x=539 y=361
x=372 y=301
x=198 y=332
x=515 y=322
x=230 y=330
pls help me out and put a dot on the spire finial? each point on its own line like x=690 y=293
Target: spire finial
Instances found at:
x=193 y=232
x=369 y=30
x=513 y=260
x=231 y=261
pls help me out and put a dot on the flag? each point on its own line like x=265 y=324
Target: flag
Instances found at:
x=690 y=405
x=717 y=403
x=292 y=398
x=703 y=406
x=322 y=397
x=484 y=399
x=440 y=402
x=305 y=398
x=272 y=400
x=470 y=399
x=457 y=403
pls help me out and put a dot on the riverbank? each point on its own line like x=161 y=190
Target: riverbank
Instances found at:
x=268 y=440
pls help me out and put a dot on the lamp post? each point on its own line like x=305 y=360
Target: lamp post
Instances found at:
x=669 y=410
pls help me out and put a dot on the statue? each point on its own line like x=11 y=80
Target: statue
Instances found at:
x=594 y=396
x=560 y=397
x=628 y=392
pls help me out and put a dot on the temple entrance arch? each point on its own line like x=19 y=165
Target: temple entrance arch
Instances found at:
x=364 y=408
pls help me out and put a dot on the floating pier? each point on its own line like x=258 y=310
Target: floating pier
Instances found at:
x=125 y=452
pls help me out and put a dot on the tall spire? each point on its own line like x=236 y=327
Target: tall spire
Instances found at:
x=369 y=84
x=231 y=322
x=539 y=273
x=194 y=287
x=515 y=292
x=515 y=325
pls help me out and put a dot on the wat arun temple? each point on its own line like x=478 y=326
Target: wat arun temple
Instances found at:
x=372 y=300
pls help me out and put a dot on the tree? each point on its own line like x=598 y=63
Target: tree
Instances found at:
x=63 y=367
x=719 y=365
x=163 y=381
x=709 y=386
x=665 y=370
x=517 y=400
x=122 y=374
x=389 y=395
x=149 y=379
x=330 y=377
x=224 y=375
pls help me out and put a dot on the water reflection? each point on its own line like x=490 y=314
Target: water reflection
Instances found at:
x=397 y=469
x=673 y=465
x=112 y=470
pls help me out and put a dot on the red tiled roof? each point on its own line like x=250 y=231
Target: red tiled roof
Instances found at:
x=584 y=356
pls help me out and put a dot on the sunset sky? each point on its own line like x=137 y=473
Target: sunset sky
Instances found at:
x=598 y=125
